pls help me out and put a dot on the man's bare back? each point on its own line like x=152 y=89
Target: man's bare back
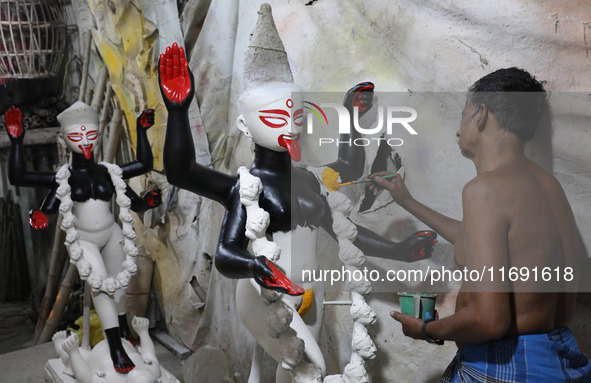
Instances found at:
x=516 y=223
x=540 y=232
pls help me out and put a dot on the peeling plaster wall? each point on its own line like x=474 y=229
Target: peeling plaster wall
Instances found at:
x=437 y=46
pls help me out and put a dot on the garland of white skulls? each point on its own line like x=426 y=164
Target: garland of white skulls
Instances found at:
x=97 y=282
x=363 y=315
x=257 y=221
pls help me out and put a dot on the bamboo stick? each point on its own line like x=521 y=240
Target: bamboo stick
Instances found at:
x=21 y=269
x=138 y=290
x=105 y=108
x=84 y=83
x=99 y=89
x=4 y=250
x=86 y=317
x=57 y=261
x=55 y=316
x=56 y=267
x=103 y=122
x=10 y=280
x=114 y=136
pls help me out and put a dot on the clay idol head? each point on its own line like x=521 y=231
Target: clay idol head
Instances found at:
x=270 y=113
x=80 y=128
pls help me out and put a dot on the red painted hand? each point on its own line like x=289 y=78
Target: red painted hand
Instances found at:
x=418 y=246
x=146 y=118
x=266 y=274
x=175 y=81
x=360 y=96
x=37 y=219
x=153 y=198
x=280 y=280
x=14 y=120
x=425 y=247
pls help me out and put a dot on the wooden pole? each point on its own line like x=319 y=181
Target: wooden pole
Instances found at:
x=56 y=266
x=114 y=136
x=10 y=255
x=99 y=89
x=55 y=316
x=57 y=262
x=86 y=316
x=3 y=247
x=103 y=122
x=84 y=83
x=21 y=270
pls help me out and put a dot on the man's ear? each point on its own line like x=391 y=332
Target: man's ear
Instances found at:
x=241 y=124
x=481 y=117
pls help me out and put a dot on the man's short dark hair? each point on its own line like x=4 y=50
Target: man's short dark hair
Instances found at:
x=514 y=97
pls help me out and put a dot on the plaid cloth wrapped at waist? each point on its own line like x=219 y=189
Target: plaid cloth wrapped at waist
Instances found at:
x=534 y=358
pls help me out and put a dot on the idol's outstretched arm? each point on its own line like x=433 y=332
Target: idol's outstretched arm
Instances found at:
x=233 y=260
x=17 y=170
x=38 y=218
x=144 y=158
x=182 y=169
x=351 y=160
x=150 y=200
x=414 y=247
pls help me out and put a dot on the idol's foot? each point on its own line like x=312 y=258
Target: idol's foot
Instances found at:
x=121 y=360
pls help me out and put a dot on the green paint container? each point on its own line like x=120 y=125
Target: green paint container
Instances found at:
x=419 y=305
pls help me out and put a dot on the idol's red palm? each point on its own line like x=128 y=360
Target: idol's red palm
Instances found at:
x=14 y=122
x=175 y=81
x=37 y=219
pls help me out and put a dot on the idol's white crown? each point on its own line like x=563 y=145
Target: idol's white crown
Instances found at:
x=78 y=114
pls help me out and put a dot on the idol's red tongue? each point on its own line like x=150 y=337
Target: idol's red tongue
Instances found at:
x=87 y=151
x=292 y=146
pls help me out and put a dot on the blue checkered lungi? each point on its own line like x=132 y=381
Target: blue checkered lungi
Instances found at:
x=534 y=358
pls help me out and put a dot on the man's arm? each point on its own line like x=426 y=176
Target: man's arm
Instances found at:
x=445 y=226
x=485 y=312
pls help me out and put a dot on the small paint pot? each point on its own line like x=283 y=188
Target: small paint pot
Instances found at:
x=419 y=305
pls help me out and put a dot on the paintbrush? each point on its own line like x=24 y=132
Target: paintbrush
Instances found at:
x=366 y=180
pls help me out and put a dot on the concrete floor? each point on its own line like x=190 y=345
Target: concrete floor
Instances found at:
x=25 y=365
x=16 y=326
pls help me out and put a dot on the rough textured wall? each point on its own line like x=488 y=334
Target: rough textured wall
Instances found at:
x=417 y=46
x=401 y=46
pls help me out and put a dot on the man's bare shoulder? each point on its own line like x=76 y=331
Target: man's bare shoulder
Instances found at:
x=485 y=187
x=493 y=195
x=545 y=178
x=522 y=177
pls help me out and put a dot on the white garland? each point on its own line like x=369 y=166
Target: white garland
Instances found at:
x=279 y=315
x=97 y=282
x=257 y=221
x=363 y=315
